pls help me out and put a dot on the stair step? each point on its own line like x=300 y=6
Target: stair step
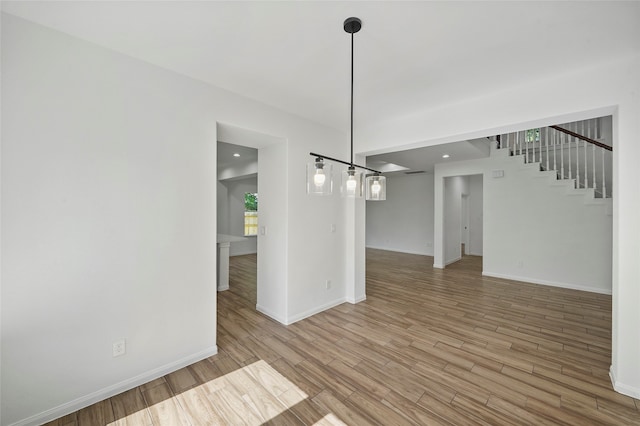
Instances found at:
x=532 y=167
x=501 y=153
x=581 y=192
x=547 y=174
x=569 y=183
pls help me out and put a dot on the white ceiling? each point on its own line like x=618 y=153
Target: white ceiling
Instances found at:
x=409 y=56
x=226 y=156
x=424 y=159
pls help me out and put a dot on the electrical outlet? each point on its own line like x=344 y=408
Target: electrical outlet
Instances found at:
x=119 y=348
x=328 y=284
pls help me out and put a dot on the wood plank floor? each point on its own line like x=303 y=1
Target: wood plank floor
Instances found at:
x=427 y=347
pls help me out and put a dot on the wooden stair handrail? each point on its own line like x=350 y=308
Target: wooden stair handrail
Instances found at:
x=584 y=138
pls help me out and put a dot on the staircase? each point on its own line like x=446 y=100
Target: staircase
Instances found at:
x=576 y=154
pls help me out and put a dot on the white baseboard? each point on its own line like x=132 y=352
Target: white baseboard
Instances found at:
x=631 y=391
x=449 y=262
x=243 y=253
x=316 y=310
x=115 y=389
x=400 y=250
x=438 y=266
x=357 y=299
x=302 y=315
x=271 y=315
x=545 y=282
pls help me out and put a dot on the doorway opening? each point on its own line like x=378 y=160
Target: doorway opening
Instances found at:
x=245 y=167
x=463 y=217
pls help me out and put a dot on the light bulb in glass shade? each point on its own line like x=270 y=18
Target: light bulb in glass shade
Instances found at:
x=375 y=187
x=319 y=177
x=351 y=183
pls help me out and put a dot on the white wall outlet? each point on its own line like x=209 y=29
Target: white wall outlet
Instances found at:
x=328 y=284
x=333 y=228
x=119 y=348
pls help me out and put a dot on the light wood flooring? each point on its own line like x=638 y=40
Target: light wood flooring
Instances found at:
x=427 y=347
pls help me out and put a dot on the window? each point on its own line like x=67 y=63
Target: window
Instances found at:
x=533 y=135
x=250 y=213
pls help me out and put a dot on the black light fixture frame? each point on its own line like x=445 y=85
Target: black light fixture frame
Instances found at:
x=351 y=25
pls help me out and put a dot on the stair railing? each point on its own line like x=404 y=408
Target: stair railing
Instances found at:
x=572 y=150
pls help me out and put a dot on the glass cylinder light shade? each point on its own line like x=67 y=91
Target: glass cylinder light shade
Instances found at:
x=319 y=181
x=351 y=183
x=376 y=188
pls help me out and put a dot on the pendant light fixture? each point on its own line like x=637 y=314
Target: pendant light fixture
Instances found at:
x=319 y=178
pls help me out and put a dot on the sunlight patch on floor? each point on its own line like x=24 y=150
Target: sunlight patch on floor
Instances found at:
x=251 y=395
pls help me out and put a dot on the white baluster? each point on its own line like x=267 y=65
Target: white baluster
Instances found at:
x=533 y=150
x=521 y=140
x=586 y=175
x=536 y=135
x=546 y=144
x=555 y=149
x=604 y=184
x=562 y=155
x=526 y=146
x=569 y=154
x=577 y=161
x=594 y=167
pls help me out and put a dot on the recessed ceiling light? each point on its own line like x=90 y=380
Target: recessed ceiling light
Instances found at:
x=236 y=155
x=445 y=155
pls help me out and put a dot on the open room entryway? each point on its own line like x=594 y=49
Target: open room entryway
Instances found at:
x=463 y=215
x=247 y=204
x=237 y=207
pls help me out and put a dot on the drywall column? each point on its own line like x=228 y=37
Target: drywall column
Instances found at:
x=438 y=219
x=272 y=233
x=475 y=215
x=355 y=223
x=625 y=345
x=223 y=265
x=441 y=171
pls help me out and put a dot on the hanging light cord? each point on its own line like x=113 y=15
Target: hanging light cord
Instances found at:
x=352 y=99
x=351 y=27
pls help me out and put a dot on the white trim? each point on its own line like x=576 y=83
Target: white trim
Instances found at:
x=449 y=262
x=315 y=310
x=271 y=315
x=400 y=251
x=548 y=283
x=358 y=300
x=243 y=252
x=302 y=315
x=438 y=266
x=109 y=391
x=622 y=388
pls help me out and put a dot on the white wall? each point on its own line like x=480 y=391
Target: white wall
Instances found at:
x=614 y=88
x=109 y=219
x=476 y=215
x=535 y=230
x=222 y=210
x=233 y=205
x=404 y=222
x=454 y=188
